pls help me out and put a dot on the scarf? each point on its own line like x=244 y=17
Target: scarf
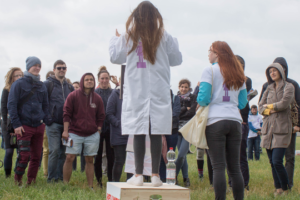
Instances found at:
x=34 y=78
x=185 y=96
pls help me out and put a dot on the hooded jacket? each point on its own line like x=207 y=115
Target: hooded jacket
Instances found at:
x=113 y=116
x=277 y=127
x=57 y=97
x=284 y=64
x=35 y=111
x=85 y=113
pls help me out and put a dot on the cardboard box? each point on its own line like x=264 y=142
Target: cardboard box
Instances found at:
x=124 y=191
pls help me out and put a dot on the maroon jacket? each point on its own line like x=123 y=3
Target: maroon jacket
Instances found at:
x=85 y=113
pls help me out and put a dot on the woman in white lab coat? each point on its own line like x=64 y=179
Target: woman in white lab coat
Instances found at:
x=149 y=51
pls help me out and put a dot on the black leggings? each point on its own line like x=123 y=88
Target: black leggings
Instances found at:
x=140 y=149
x=105 y=136
x=120 y=156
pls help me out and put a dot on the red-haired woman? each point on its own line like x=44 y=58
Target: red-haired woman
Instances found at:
x=224 y=129
x=148 y=51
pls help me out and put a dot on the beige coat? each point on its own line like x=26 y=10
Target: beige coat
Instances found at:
x=277 y=127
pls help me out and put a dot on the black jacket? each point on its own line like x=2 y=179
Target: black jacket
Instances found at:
x=57 y=95
x=246 y=110
x=190 y=101
x=104 y=94
x=284 y=64
x=175 y=110
x=4 y=110
x=113 y=115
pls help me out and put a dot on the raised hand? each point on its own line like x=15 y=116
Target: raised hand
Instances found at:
x=117 y=33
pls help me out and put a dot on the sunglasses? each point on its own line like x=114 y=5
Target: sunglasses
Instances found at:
x=61 y=68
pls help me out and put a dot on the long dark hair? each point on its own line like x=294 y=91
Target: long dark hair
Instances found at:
x=145 y=23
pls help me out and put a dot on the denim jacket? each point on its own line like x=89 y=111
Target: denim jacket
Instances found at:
x=35 y=111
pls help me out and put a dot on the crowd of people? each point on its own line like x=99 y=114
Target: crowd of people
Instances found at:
x=101 y=116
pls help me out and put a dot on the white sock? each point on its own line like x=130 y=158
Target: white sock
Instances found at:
x=137 y=181
x=156 y=182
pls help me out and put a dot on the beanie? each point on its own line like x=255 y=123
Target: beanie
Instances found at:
x=31 y=61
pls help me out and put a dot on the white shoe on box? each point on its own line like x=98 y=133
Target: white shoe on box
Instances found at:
x=137 y=181
x=156 y=182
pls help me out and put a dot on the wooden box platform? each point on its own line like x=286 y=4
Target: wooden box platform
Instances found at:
x=124 y=191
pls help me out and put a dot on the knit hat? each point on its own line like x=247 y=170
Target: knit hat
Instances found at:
x=31 y=61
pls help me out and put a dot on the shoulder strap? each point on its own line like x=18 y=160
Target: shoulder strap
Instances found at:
x=173 y=98
x=212 y=81
x=25 y=99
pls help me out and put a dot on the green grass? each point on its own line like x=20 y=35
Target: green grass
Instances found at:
x=261 y=184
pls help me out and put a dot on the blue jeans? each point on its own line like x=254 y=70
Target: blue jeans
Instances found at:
x=253 y=142
x=181 y=163
x=171 y=142
x=57 y=154
x=280 y=176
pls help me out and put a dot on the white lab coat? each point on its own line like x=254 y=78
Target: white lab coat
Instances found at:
x=147 y=89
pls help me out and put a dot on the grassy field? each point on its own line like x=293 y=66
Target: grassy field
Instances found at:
x=261 y=184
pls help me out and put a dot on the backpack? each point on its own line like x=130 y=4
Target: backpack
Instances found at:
x=294 y=110
x=51 y=86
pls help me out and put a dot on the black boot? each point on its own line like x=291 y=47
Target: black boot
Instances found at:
x=7 y=172
x=99 y=184
x=186 y=182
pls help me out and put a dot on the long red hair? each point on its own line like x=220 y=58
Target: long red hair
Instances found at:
x=230 y=67
x=145 y=23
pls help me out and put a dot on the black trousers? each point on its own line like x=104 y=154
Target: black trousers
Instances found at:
x=224 y=142
x=243 y=155
x=105 y=136
x=210 y=168
x=290 y=160
x=120 y=157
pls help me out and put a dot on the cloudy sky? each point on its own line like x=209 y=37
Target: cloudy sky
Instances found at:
x=78 y=32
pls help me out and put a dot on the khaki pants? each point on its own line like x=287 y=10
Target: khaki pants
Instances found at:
x=45 y=154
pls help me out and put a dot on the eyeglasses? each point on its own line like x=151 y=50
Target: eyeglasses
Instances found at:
x=18 y=75
x=61 y=68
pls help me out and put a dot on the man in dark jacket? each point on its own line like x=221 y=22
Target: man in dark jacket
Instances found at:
x=58 y=90
x=290 y=151
x=83 y=120
x=28 y=109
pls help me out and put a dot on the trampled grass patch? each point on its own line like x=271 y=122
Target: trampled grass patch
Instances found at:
x=261 y=184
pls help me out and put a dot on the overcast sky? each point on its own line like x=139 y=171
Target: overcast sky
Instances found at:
x=78 y=32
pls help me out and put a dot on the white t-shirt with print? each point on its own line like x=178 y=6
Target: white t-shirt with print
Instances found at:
x=224 y=102
x=256 y=121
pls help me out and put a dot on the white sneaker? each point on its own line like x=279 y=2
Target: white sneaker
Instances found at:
x=137 y=181
x=156 y=182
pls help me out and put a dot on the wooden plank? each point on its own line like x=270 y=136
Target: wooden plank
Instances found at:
x=144 y=194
